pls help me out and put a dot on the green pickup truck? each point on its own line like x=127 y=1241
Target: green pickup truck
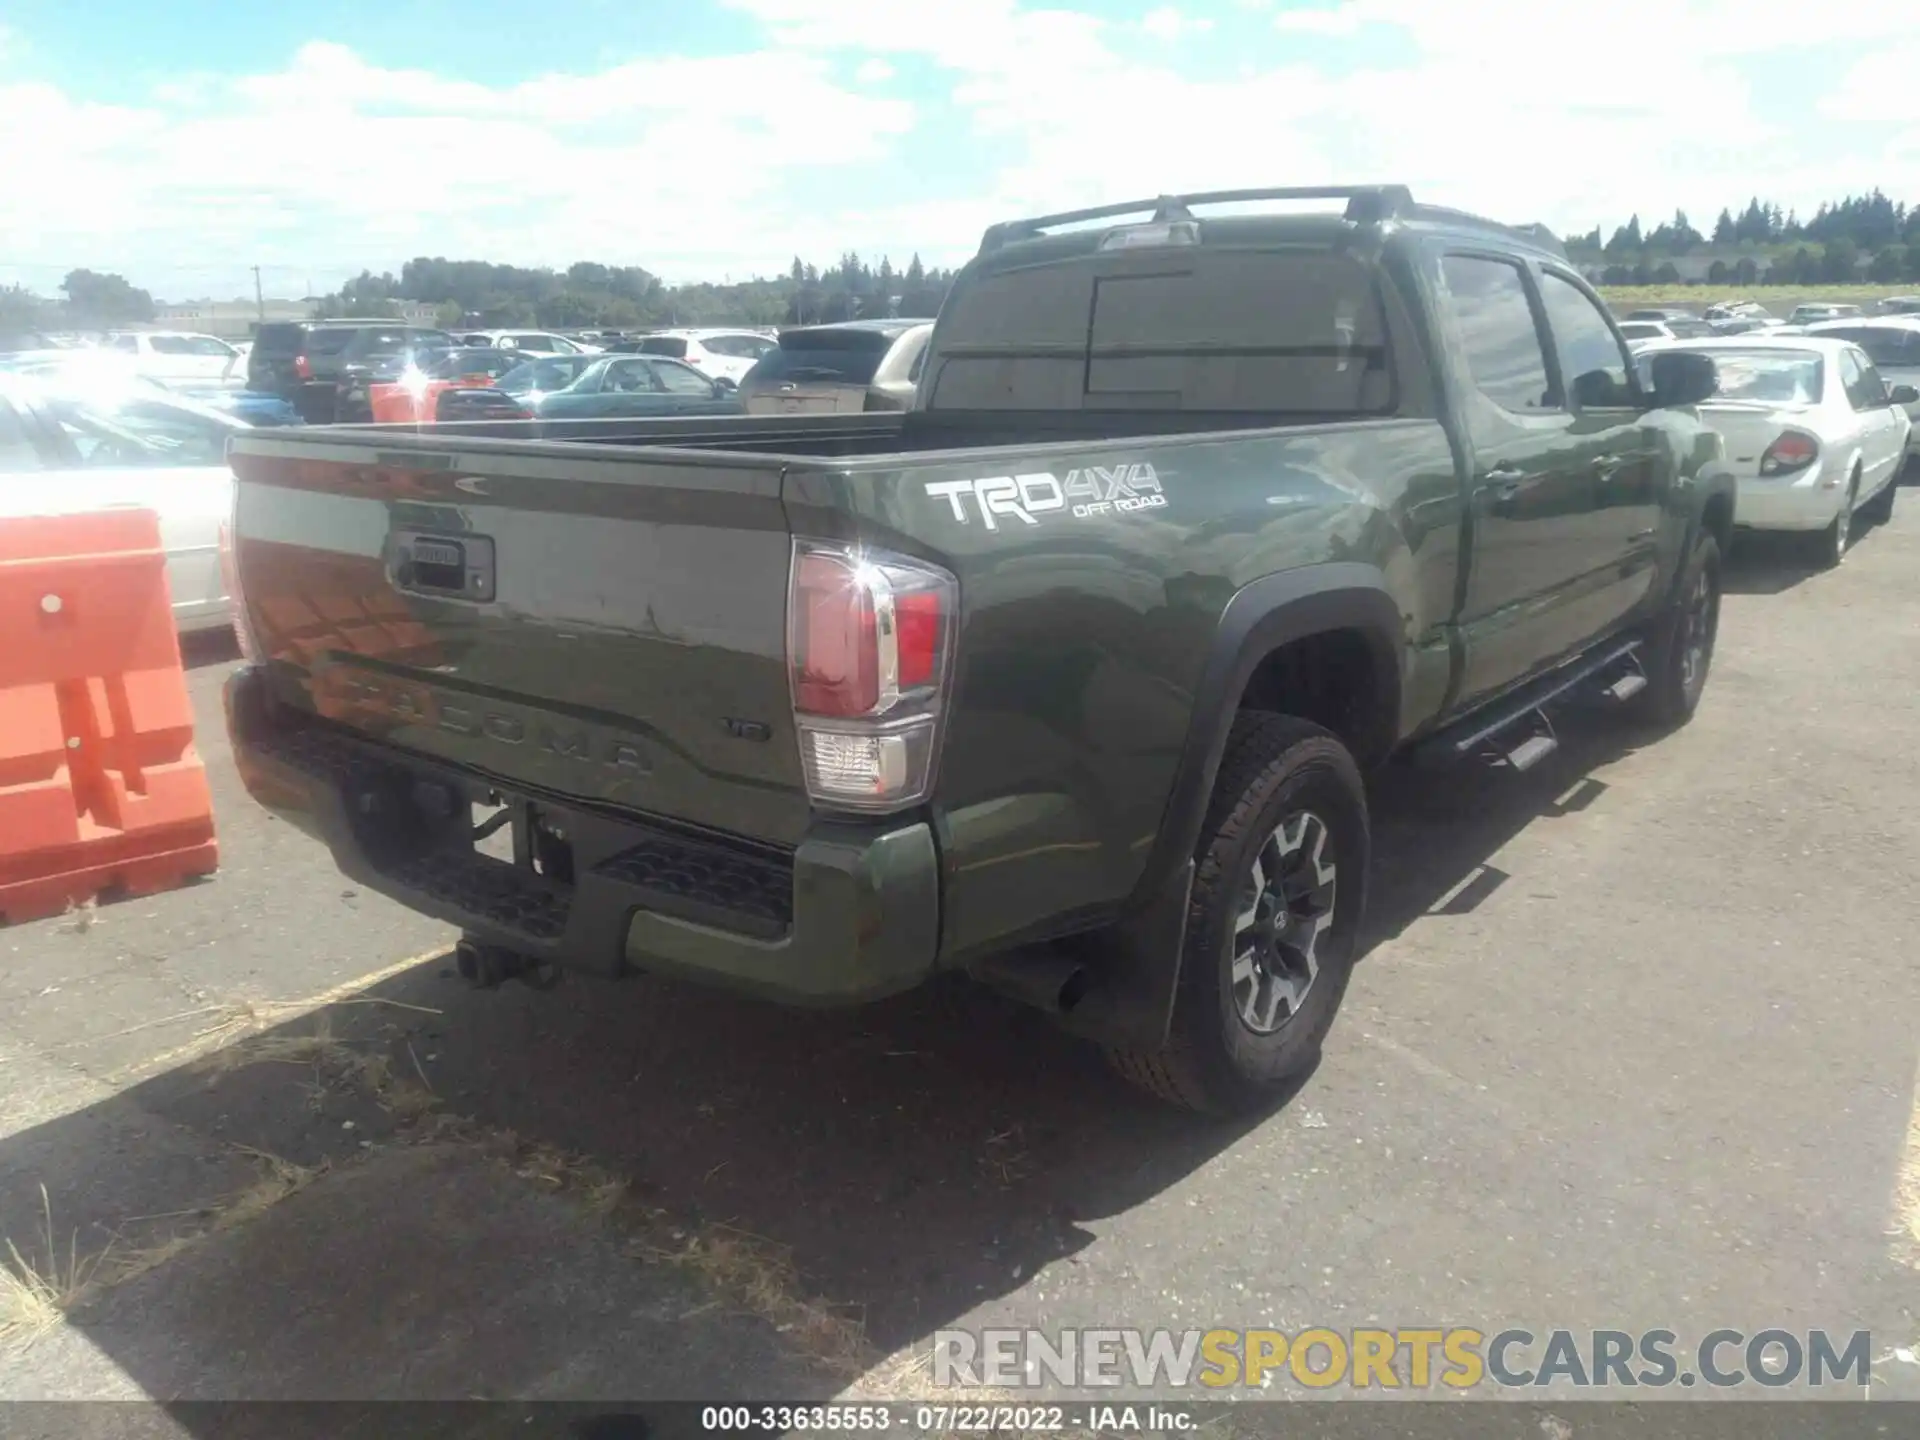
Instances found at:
x=1067 y=678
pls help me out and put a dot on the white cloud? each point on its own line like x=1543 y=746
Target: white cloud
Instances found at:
x=705 y=166
x=1342 y=20
x=1167 y=23
x=670 y=163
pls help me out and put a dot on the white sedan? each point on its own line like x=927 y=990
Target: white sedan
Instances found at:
x=181 y=358
x=1810 y=429
x=66 y=445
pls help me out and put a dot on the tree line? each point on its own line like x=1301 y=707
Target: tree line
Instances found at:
x=584 y=295
x=1862 y=237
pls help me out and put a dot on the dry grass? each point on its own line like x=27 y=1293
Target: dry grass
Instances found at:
x=1777 y=298
x=32 y=1299
x=759 y=1275
x=334 y=1061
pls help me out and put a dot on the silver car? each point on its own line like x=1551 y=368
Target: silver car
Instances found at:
x=824 y=369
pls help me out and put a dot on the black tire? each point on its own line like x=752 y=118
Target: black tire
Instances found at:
x=1279 y=777
x=1677 y=667
x=1837 y=536
x=1879 y=510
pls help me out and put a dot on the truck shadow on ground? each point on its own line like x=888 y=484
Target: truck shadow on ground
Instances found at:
x=916 y=1158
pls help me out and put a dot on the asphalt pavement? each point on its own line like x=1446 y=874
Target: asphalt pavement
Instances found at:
x=1634 y=1047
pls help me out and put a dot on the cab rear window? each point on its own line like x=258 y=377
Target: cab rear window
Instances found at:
x=1290 y=331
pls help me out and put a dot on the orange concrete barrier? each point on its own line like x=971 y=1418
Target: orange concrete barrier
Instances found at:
x=100 y=785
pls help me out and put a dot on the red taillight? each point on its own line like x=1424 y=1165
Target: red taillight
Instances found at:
x=302 y=368
x=1793 y=450
x=836 y=654
x=917 y=628
x=867 y=644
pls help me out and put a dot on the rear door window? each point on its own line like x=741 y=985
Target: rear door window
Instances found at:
x=1498 y=331
x=672 y=346
x=628 y=377
x=327 y=342
x=677 y=379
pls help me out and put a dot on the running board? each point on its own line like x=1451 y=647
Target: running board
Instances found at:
x=1472 y=734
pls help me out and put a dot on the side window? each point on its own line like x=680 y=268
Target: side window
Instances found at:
x=678 y=379
x=1496 y=324
x=207 y=345
x=1865 y=390
x=919 y=365
x=173 y=345
x=17 y=450
x=1593 y=365
x=1873 y=389
x=628 y=377
x=128 y=343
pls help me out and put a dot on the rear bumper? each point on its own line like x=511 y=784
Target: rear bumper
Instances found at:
x=851 y=914
x=1774 y=505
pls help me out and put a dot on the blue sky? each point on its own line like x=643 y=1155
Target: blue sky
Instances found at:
x=183 y=143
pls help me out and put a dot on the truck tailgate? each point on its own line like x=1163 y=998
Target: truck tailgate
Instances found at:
x=597 y=626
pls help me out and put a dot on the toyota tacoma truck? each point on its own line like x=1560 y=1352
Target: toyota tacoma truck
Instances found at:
x=1067 y=678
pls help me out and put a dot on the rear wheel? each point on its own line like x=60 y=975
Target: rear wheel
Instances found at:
x=1271 y=923
x=1834 y=539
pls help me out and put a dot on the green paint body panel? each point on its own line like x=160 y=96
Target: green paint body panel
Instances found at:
x=629 y=652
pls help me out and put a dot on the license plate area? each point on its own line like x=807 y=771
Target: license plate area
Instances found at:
x=453 y=567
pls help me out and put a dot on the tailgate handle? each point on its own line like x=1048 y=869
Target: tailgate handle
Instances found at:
x=447 y=567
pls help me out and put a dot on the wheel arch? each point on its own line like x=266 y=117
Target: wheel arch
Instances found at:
x=1341 y=613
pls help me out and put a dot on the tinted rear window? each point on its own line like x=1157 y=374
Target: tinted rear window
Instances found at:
x=671 y=345
x=826 y=357
x=279 y=339
x=328 y=342
x=1296 y=331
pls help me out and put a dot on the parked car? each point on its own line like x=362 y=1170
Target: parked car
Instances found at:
x=1747 y=325
x=72 y=440
x=1814 y=314
x=253 y=406
x=1661 y=313
x=723 y=354
x=1735 y=310
x=514 y=395
x=1900 y=305
x=1066 y=679
x=527 y=342
x=858 y=365
x=1639 y=331
x=304 y=360
x=1811 y=430
x=638 y=385
x=1892 y=343
x=402 y=386
x=181 y=357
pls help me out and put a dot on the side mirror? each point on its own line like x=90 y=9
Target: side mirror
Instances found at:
x=1903 y=395
x=723 y=387
x=1682 y=378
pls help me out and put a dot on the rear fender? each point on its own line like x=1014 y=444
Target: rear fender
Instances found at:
x=1139 y=957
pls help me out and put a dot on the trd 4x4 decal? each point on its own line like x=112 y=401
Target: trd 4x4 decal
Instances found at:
x=1096 y=490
